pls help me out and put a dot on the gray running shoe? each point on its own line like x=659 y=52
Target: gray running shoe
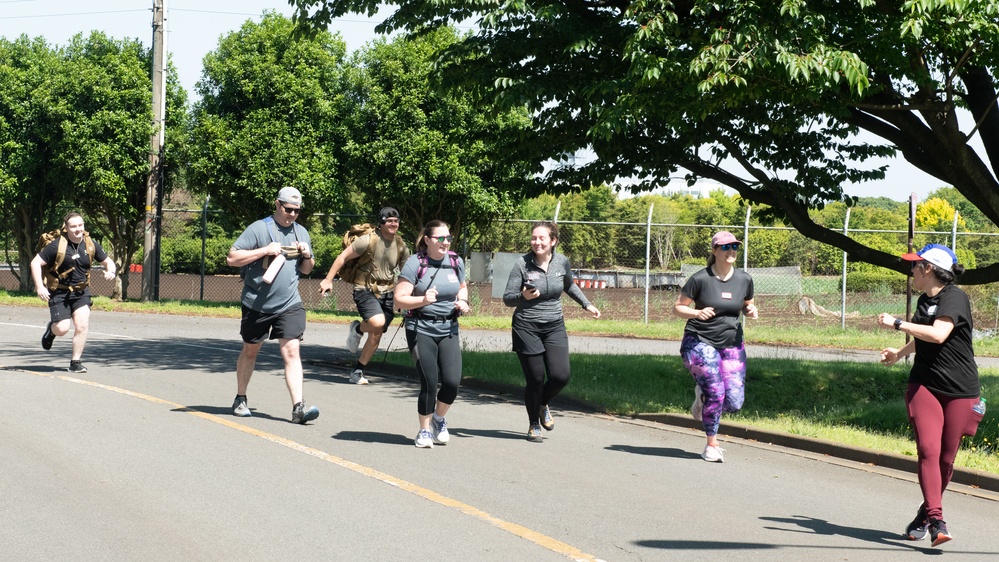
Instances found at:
x=439 y=431
x=357 y=377
x=302 y=413
x=353 y=337
x=534 y=434
x=48 y=337
x=938 y=532
x=77 y=367
x=239 y=407
x=917 y=530
x=546 y=419
x=424 y=439
x=713 y=454
x=697 y=408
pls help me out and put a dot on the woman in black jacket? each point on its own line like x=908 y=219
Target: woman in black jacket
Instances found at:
x=535 y=288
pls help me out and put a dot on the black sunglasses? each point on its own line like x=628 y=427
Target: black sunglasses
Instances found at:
x=291 y=210
x=442 y=239
x=728 y=247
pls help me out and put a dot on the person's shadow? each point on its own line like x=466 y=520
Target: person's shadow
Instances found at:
x=817 y=526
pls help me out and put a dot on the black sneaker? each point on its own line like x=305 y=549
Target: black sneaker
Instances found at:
x=77 y=367
x=302 y=413
x=917 y=530
x=48 y=337
x=239 y=407
x=938 y=532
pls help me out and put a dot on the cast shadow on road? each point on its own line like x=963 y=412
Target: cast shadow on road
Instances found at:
x=174 y=352
x=226 y=412
x=816 y=526
x=810 y=526
x=373 y=437
x=669 y=452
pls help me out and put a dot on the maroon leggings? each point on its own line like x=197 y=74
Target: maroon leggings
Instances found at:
x=939 y=423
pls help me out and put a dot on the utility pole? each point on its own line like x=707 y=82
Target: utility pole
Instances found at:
x=150 y=257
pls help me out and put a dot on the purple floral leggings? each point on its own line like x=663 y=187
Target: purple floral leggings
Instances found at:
x=721 y=374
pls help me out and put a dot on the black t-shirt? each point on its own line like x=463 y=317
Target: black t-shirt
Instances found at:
x=949 y=367
x=76 y=257
x=727 y=298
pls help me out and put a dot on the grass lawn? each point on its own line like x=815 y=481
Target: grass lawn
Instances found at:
x=853 y=403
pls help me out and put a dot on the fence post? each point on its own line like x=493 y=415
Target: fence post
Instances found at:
x=648 y=260
x=842 y=302
x=953 y=233
x=204 y=242
x=745 y=238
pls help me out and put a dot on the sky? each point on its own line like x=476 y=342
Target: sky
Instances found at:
x=195 y=26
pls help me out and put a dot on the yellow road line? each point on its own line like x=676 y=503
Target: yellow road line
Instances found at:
x=535 y=537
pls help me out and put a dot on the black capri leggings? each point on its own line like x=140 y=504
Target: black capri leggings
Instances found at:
x=538 y=390
x=438 y=360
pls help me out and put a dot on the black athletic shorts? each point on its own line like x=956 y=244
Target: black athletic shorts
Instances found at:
x=532 y=338
x=288 y=324
x=63 y=303
x=369 y=305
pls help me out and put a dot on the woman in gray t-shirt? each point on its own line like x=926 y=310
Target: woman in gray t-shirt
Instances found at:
x=432 y=289
x=712 y=348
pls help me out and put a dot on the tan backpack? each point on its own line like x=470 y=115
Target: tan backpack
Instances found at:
x=51 y=274
x=357 y=270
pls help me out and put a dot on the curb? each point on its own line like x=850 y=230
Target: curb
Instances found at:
x=966 y=476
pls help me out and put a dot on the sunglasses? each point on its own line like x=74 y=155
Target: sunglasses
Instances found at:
x=728 y=247
x=442 y=239
x=291 y=210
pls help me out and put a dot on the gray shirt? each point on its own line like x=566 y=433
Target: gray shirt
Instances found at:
x=431 y=320
x=551 y=284
x=283 y=292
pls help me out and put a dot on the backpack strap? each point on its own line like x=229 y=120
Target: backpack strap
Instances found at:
x=57 y=277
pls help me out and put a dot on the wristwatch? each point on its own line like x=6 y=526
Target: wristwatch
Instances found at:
x=898 y=323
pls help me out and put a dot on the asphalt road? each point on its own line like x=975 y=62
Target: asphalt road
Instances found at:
x=141 y=459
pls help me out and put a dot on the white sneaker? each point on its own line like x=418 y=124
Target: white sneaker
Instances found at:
x=425 y=439
x=439 y=431
x=712 y=454
x=697 y=408
x=353 y=338
x=357 y=377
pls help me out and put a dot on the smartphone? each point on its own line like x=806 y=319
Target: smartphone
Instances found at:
x=529 y=286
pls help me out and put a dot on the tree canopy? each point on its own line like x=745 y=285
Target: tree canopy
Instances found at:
x=75 y=125
x=432 y=154
x=271 y=114
x=767 y=97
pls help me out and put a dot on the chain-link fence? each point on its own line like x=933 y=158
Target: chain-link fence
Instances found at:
x=631 y=271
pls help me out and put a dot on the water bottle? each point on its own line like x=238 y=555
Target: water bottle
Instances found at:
x=275 y=266
x=979 y=407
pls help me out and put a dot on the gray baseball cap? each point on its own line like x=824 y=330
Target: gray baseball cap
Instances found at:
x=290 y=195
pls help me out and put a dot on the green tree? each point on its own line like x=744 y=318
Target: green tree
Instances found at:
x=429 y=152
x=765 y=97
x=75 y=125
x=29 y=184
x=271 y=114
x=107 y=99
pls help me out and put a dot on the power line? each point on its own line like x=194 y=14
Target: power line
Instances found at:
x=72 y=14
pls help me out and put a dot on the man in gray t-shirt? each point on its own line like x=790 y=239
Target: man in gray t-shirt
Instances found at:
x=273 y=309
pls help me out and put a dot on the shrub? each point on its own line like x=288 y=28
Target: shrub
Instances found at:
x=875 y=282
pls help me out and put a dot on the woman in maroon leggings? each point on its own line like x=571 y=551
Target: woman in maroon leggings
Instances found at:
x=942 y=399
